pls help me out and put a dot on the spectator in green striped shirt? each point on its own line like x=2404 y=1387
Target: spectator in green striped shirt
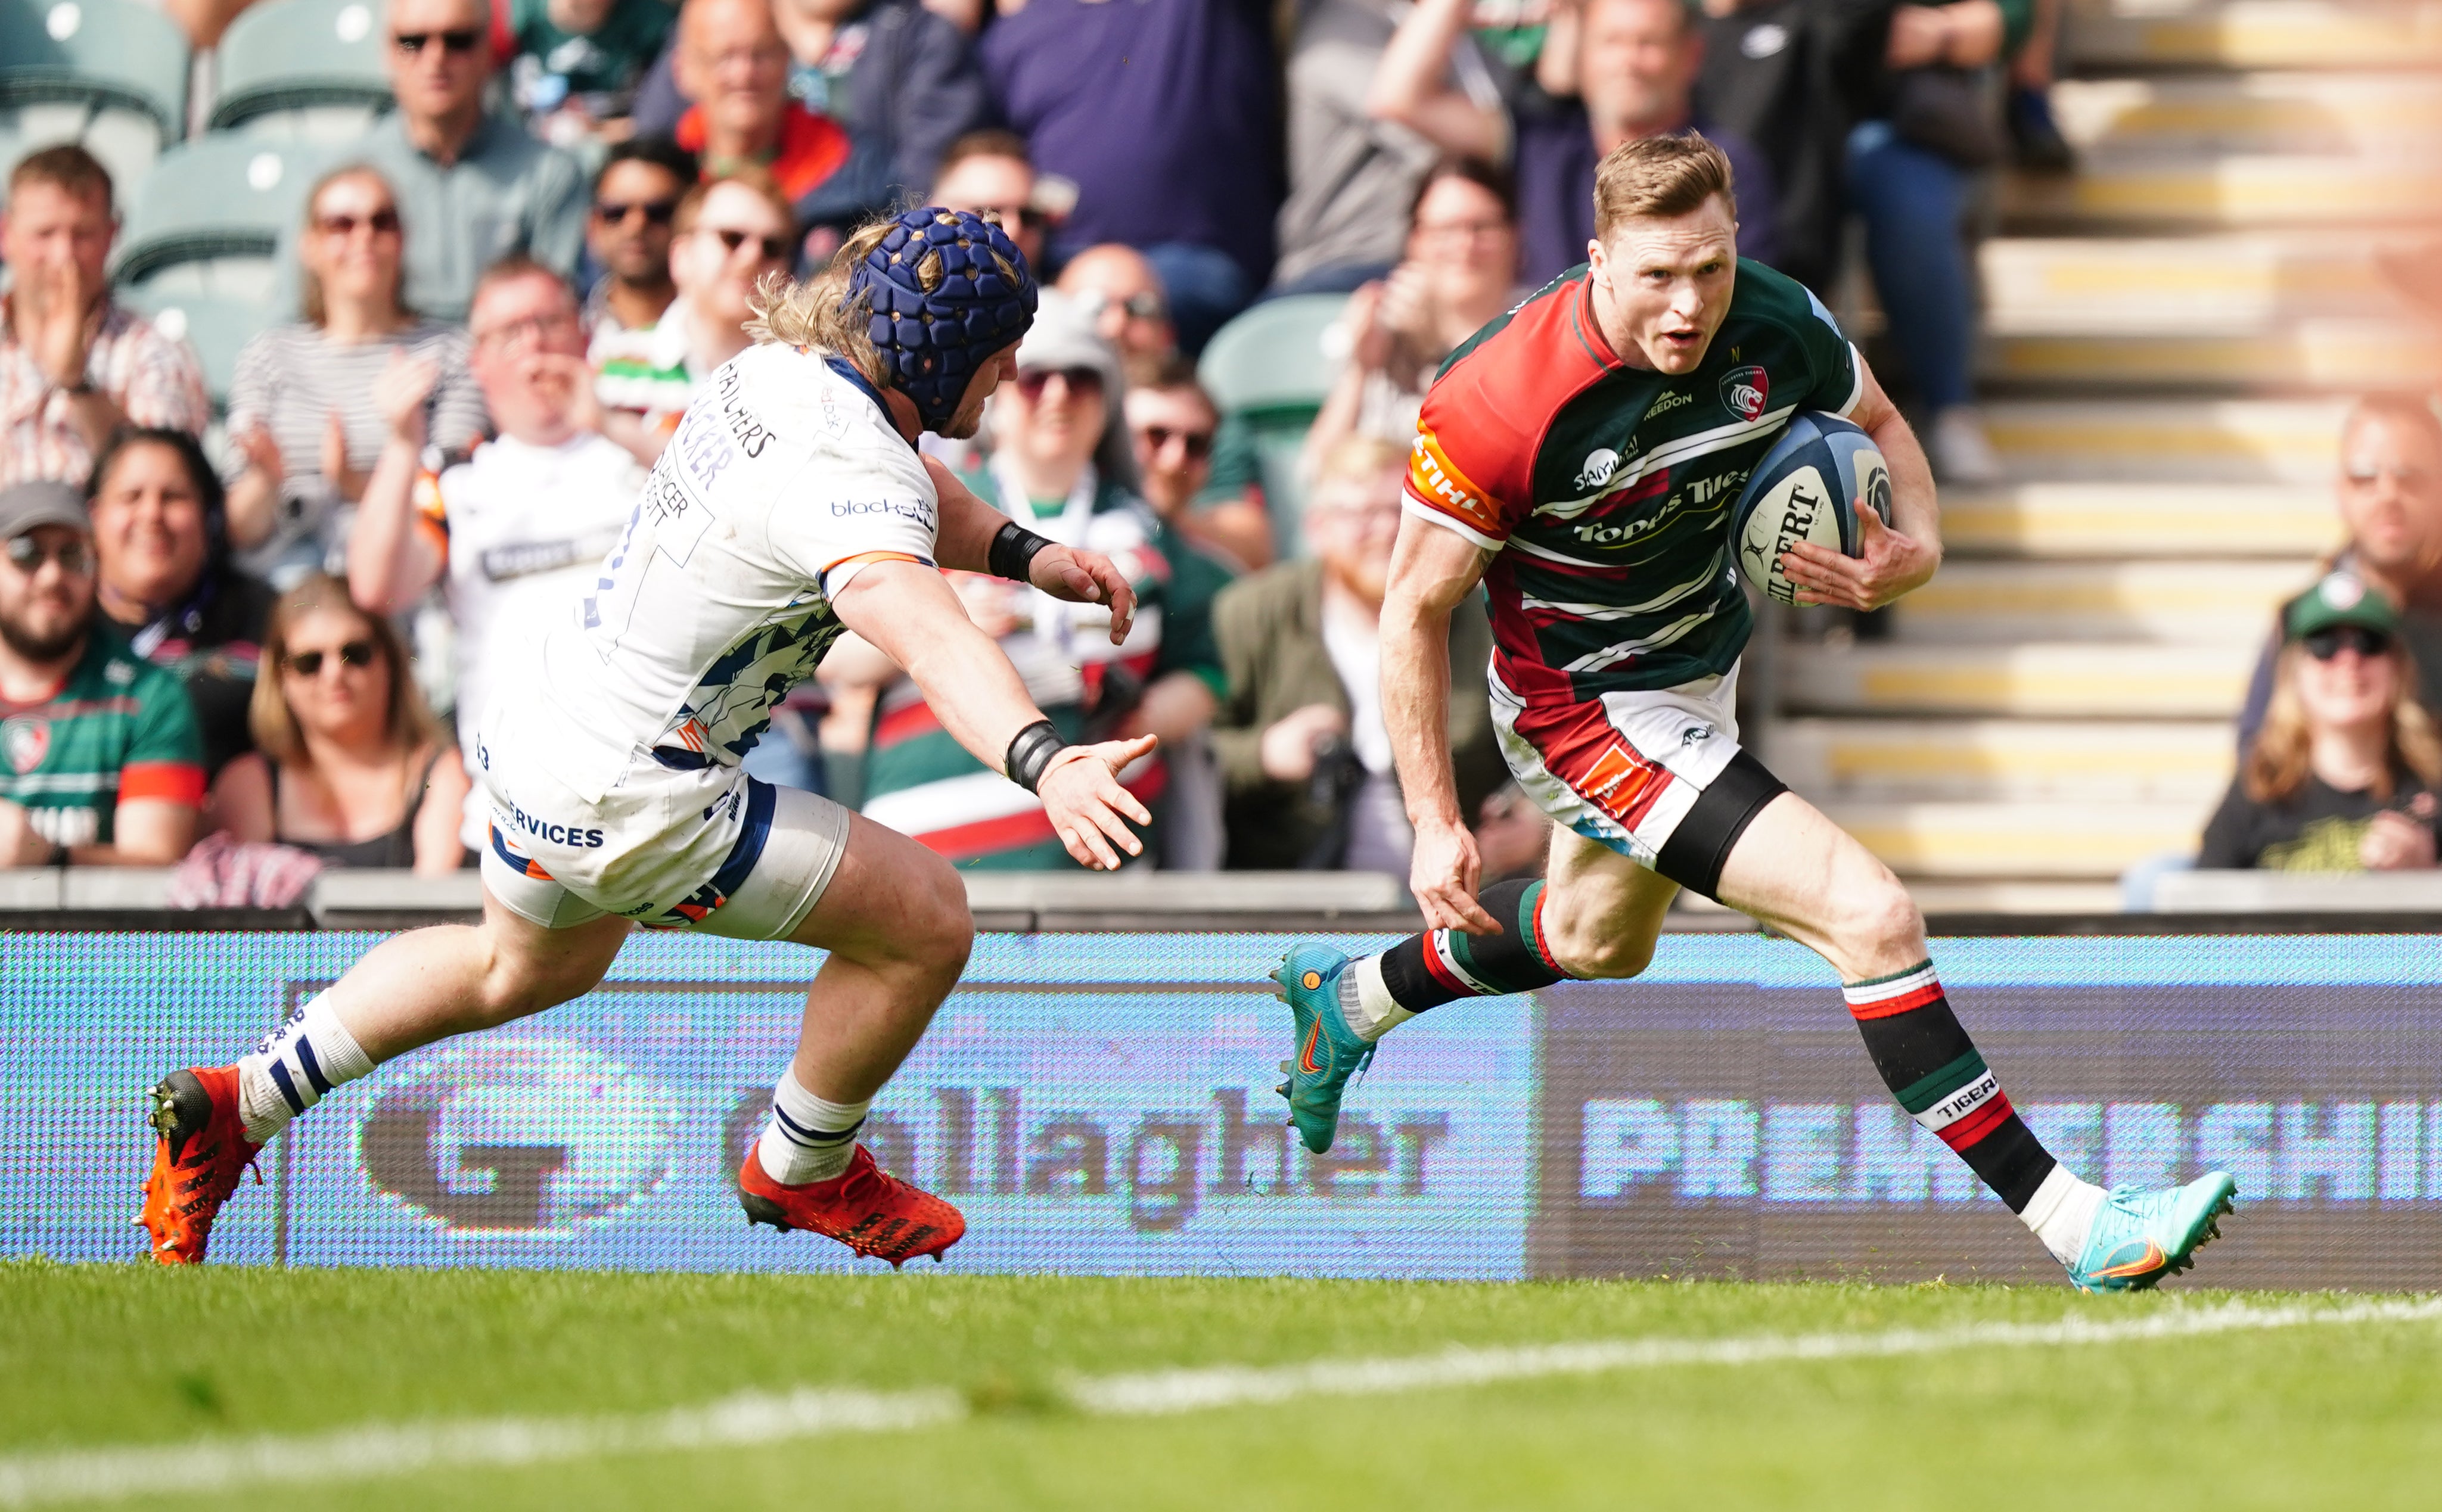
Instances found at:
x=101 y=763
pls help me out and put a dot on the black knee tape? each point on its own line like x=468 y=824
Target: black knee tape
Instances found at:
x=1696 y=850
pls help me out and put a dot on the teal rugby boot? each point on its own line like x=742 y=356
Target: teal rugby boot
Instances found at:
x=1327 y=1052
x=2140 y=1237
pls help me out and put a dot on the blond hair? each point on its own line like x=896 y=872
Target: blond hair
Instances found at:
x=407 y=723
x=2276 y=764
x=1661 y=176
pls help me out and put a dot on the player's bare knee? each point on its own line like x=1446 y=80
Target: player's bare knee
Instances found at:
x=1589 y=950
x=1880 y=922
x=940 y=929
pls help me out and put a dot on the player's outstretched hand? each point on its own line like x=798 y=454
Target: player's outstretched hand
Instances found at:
x=1081 y=791
x=1442 y=872
x=1894 y=563
x=1086 y=577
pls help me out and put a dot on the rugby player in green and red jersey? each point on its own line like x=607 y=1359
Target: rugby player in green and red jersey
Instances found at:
x=1578 y=458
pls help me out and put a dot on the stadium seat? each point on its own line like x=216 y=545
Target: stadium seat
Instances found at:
x=304 y=70
x=209 y=220
x=1269 y=371
x=215 y=325
x=109 y=73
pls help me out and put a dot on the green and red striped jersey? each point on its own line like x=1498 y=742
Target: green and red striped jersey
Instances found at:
x=118 y=728
x=1606 y=488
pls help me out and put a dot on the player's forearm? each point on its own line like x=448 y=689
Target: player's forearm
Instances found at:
x=911 y=617
x=962 y=541
x=1915 y=512
x=1415 y=710
x=388 y=565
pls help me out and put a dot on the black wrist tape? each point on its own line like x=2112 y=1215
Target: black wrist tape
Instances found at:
x=1012 y=554
x=1031 y=751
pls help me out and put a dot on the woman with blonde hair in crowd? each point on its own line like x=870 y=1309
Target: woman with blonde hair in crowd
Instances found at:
x=2344 y=775
x=350 y=765
x=300 y=409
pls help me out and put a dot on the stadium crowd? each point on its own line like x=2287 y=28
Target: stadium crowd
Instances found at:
x=512 y=286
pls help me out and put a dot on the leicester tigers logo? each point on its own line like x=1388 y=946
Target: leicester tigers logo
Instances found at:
x=24 y=742
x=1744 y=392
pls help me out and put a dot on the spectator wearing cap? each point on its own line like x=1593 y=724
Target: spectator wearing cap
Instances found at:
x=627 y=233
x=1165 y=119
x=1460 y=272
x=1304 y=754
x=900 y=78
x=729 y=233
x=75 y=364
x=165 y=581
x=579 y=61
x=1123 y=292
x=1176 y=428
x=1634 y=65
x=1060 y=463
x=300 y=405
x=733 y=63
x=2344 y=775
x=515 y=532
x=99 y=762
x=476 y=182
x=2388 y=496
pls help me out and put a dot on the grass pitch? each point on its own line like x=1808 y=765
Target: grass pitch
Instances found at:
x=2335 y=1415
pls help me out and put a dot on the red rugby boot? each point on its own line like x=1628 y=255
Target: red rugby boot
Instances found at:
x=865 y=1208
x=202 y=1152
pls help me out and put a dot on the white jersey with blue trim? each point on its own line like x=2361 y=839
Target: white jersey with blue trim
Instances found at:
x=784 y=478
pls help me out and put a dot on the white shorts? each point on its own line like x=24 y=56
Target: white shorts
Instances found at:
x=1656 y=774
x=678 y=843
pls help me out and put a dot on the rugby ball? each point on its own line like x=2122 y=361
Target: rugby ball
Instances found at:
x=1802 y=491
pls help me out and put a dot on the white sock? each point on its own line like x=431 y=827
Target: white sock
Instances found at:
x=808 y=1139
x=2062 y=1213
x=1365 y=1002
x=294 y=1067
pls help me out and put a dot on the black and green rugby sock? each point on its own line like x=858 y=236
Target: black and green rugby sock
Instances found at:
x=1444 y=965
x=1939 y=1077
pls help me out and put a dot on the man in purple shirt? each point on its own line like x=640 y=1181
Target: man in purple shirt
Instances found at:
x=1163 y=114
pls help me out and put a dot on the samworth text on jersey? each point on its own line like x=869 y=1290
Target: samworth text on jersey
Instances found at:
x=1605 y=488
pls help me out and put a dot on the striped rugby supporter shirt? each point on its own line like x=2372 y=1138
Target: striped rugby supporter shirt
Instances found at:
x=1606 y=488
x=119 y=728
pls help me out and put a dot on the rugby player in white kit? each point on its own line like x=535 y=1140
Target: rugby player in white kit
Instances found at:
x=790 y=505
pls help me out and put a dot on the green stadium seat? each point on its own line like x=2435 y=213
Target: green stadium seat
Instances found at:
x=308 y=70
x=1270 y=373
x=215 y=326
x=111 y=74
x=210 y=218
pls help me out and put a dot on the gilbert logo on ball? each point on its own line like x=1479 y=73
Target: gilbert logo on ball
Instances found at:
x=1807 y=487
x=1746 y=391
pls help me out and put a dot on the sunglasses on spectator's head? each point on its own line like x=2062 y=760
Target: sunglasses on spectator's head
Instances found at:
x=457 y=42
x=1079 y=381
x=357 y=654
x=776 y=248
x=1144 y=304
x=2325 y=644
x=656 y=211
x=381 y=223
x=1198 y=442
x=27 y=554
x=2366 y=473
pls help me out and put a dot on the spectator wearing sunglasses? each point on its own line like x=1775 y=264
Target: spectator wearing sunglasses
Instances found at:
x=579 y=61
x=350 y=765
x=2389 y=497
x=1060 y=465
x=302 y=412
x=100 y=763
x=477 y=182
x=164 y=578
x=728 y=233
x=2343 y=777
x=627 y=235
x=1124 y=294
x=1176 y=431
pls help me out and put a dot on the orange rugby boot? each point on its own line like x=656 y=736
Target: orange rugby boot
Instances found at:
x=202 y=1152
x=865 y=1208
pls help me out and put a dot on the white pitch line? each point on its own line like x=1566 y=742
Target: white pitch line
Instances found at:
x=756 y=1418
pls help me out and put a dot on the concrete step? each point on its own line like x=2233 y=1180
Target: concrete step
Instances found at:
x=2207 y=115
x=2254 y=33
x=2213 y=284
x=2050 y=680
x=1834 y=761
x=2306 y=356
x=1940 y=899
x=2177 y=440
x=2112 y=192
x=2197 y=601
x=2122 y=521
x=2094 y=841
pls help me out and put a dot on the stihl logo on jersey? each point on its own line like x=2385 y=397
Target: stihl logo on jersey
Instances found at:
x=1435 y=480
x=1744 y=391
x=1624 y=785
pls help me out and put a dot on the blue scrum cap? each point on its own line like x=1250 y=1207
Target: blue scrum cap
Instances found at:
x=945 y=290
